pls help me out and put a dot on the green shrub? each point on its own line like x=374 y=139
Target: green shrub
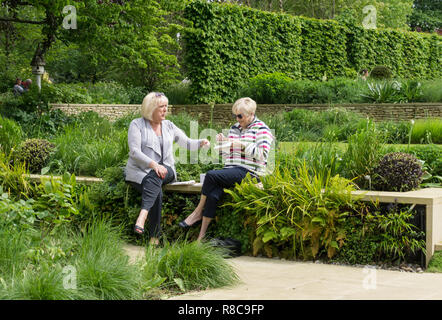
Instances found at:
x=397 y=171
x=266 y=88
x=11 y=134
x=301 y=92
x=101 y=92
x=189 y=266
x=363 y=153
x=13 y=177
x=17 y=214
x=381 y=72
x=35 y=153
x=178 y=93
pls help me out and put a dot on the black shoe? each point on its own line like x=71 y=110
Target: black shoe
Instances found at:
x=184 y=225
x=138 y=230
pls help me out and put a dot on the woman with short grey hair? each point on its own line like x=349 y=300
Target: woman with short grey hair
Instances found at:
x=246 y=150
x=151 y=164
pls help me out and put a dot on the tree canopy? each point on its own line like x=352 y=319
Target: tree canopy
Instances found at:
x=390 y=13
x=134 y=41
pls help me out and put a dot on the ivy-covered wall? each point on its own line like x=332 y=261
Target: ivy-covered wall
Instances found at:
x=229 y=44
x=407 y=54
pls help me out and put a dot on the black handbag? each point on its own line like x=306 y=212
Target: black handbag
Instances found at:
x=232 y=246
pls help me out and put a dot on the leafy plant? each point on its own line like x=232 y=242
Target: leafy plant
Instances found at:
x=55 y=202
x=17 y=214
x=301 y=215
x=397 y=171
x=382 y=92
x=11 y=134
x=13 y=177
x=411 y=91
x=363 y=154
x=398 y=236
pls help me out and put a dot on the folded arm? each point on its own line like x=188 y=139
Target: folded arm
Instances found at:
x=261 y=147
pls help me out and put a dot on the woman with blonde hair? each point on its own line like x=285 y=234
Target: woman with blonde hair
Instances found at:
x=151 y=164
x=245 y=149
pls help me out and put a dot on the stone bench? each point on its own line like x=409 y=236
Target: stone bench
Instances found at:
x=431 y=198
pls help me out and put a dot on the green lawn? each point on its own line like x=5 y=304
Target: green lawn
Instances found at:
x=291 y=146
x=435 y=264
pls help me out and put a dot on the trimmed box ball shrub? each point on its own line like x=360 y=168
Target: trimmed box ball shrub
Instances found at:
x=398 y=171
x=381 y=72
x=35 y=153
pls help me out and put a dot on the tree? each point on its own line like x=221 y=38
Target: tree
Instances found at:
x=426 y=15
x=132 y=40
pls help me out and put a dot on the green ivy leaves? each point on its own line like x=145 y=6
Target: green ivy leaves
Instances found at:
x=230 y=44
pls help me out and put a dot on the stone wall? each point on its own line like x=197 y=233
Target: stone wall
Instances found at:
x=110 y=111
x=222 y=113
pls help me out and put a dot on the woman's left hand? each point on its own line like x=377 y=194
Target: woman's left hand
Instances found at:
x=237 y=144
x=205 y=143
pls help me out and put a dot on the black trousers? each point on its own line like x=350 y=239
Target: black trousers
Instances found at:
x=152 y=198
x=214 y=184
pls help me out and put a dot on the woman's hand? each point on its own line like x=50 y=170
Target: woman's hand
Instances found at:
x=220 y=137
x=160 y=170
x=205 y=143
x=237 y=144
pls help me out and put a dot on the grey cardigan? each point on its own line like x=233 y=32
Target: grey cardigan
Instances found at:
x=144 y=147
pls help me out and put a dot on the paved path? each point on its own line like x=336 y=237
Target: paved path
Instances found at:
x=273 y=279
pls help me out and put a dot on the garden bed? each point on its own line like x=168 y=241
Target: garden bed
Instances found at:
x=430 y=198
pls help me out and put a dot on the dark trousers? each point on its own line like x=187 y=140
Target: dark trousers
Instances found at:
x=214 y=184
x=152 y=198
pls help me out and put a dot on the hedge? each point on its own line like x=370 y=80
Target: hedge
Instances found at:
x=229 y=44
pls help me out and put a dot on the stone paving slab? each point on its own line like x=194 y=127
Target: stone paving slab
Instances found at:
x=271 y=279
x=274 y=279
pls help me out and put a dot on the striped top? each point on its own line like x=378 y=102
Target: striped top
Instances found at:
x=256 y=141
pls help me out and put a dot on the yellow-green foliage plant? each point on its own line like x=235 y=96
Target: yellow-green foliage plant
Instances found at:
x=13 y=177
x=297 y=216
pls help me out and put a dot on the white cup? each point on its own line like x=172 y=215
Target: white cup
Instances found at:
x=202 y=176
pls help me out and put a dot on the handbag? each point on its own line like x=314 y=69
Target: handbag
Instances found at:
x=232 y=246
